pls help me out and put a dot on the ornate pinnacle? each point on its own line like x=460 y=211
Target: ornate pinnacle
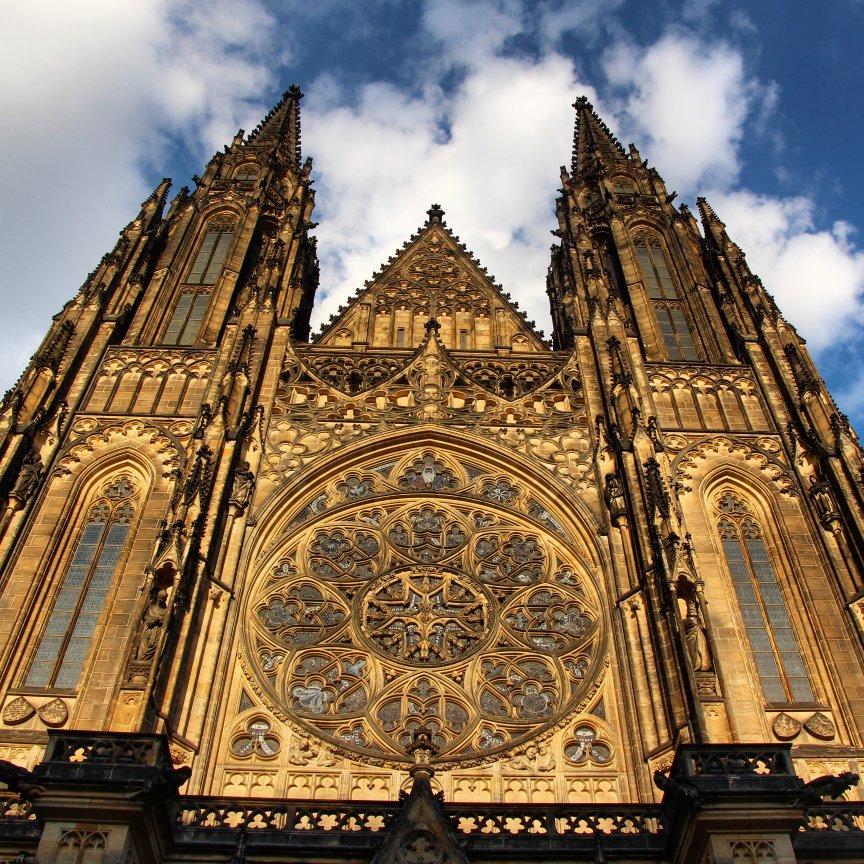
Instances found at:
x=435 y=214
x=423 y=749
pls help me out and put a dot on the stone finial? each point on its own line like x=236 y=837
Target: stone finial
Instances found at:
x=423 y=749
x=435 y=214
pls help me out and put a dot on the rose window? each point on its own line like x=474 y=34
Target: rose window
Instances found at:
x=422 y=600
x=425 y=616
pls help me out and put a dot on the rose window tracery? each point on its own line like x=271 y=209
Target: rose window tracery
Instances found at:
x=518 y=558
x=339 y=554
x=325 y=684
x=428 y=474
x=550 y=620
x=459 y=613
x=425 y=617
x=427 y=535
x=521 y=689
x=428 y=704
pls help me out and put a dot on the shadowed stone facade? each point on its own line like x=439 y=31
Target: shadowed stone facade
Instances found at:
x=594 y=599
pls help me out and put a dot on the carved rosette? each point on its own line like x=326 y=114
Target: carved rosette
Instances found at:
x=456 y=613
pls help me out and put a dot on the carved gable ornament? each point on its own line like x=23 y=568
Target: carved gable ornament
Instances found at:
x=422 y=834
x=433 y=276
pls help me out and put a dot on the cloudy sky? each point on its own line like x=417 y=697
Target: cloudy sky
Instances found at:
x=463 y=102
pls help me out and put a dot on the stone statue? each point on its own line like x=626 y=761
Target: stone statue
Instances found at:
x=613 y=495
x=243 y=483
x=153 y=619
x=697 y=641
x=821 y=496
x=28 y=477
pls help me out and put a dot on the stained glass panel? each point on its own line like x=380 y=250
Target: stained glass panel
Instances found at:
x=210 y=258
x=763 y=609
x=66 y=639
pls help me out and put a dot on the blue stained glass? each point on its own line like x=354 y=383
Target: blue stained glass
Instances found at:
x=91 y=576
x=767 y=622
x=91 y=608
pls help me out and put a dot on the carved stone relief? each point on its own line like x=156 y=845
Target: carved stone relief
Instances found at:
x=548 y=424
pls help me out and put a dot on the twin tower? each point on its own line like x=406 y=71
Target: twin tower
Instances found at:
x=295 y=557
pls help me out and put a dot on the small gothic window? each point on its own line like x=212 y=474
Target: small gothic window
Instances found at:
x=623 y=186
x=676 y=333
x=763 y=608
x=463 y=340
x=187 y=318
x=66 y=640
x=668 y=307
x=655 y=273
x=400 y=337
x=247 y=172
x=211 y=256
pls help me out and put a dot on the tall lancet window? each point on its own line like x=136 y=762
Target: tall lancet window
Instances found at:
x=212 y=253
x=66 y=640
x=669 y=308
x=766 y=616
x=194 y=299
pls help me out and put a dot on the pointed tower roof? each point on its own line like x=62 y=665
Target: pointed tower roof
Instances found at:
x=422 y=831
x=592 y=136
x=436 y=276
x=159 y=194
x=282 y=124
x=713 y=226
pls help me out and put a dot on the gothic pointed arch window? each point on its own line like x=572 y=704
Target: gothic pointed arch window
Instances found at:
x=194 y=298
x=78 y=605
x=767 y=623
x=667 y=303
x=212 y=252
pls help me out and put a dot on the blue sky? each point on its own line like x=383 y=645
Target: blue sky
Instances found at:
x=754 y=104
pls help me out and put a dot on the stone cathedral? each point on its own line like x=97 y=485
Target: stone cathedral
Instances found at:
x=424 y=587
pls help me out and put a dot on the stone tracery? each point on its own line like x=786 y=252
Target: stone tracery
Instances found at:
x=492 y=608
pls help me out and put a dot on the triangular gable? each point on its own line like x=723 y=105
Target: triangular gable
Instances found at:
x=421 y=834
x=433 y=276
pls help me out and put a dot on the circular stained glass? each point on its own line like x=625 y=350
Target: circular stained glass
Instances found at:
x=459 y=614
x=425 y=616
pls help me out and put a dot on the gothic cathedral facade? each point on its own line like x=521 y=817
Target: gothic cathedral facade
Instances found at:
x=294 y=556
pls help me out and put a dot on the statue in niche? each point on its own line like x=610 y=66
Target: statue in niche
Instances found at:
x=153 y=619
x=242 y=485
x=28 y=477
x=820 y=494
x=696 y=639
x=613 y=495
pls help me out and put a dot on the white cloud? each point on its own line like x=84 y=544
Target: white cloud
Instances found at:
x=799 y=264
x=88 y=93
x=686 y=102
x=510 y=126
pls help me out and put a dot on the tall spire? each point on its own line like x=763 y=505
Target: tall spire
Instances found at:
x=713 y=226
x=592 y=137
x=282 y=124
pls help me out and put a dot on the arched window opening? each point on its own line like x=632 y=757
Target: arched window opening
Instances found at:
x=66 y=640
x=766 y=615
x=212 y=253
x=667 y=303
x=186 y=320
x=247 y=172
